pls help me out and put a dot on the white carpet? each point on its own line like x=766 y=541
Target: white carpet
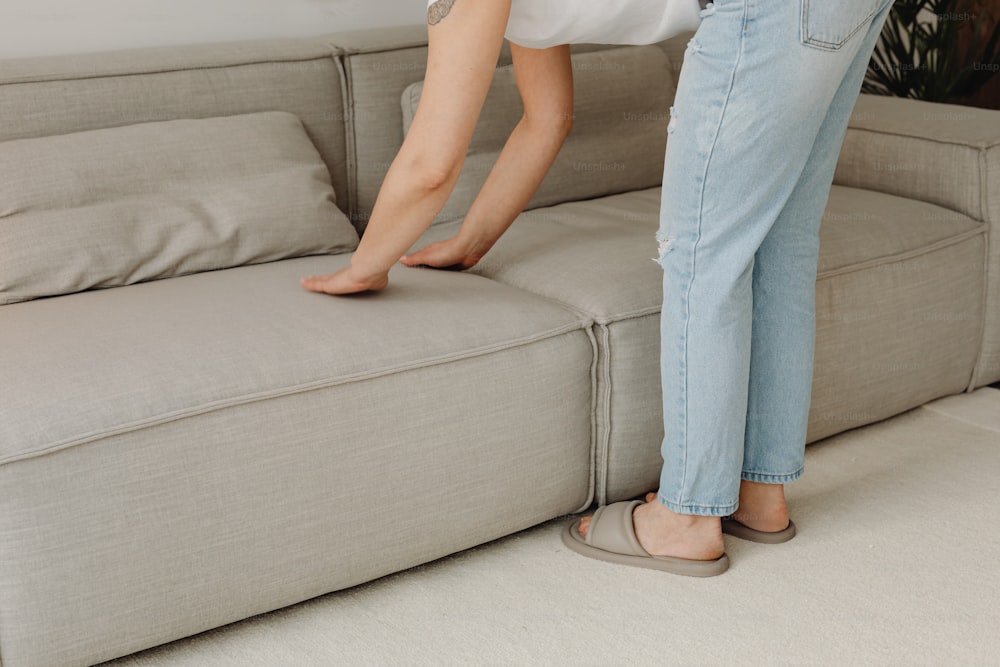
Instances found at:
x=895 y=563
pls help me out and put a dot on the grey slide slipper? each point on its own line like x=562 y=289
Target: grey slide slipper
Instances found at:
x=731 y=526
x=612 y=539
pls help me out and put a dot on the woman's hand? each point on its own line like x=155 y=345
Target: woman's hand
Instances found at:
x=349 y=280
x=452 y=254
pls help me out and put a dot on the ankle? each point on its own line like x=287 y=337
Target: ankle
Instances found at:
x=663 y=532
x=762 y=506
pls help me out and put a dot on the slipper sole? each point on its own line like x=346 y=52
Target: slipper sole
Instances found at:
x=744 y=532
x=572 y=538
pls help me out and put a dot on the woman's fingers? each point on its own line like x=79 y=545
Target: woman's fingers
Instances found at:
x=439 y=255
x=344 y=282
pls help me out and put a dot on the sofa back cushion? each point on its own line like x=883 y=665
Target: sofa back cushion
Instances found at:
x=611 y=94
x=116 y=206
x=621 y=100
x=50 y=95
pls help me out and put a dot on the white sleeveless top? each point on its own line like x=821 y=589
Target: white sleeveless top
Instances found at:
x=540 y=24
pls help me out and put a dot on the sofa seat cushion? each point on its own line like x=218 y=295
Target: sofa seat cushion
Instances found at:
x=181 y=454
x=122 y=205
x=900 y=281
x=132 y=357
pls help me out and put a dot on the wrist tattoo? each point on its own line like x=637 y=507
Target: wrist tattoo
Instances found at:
x=438 y=11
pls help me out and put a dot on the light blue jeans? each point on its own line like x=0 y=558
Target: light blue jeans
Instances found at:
x=763 y=100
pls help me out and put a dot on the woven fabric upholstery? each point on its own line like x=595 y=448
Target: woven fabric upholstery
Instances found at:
x=116 y=206
x=899 y=299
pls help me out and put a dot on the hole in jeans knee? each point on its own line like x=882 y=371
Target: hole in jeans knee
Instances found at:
x=665 y=245
x=707 y=10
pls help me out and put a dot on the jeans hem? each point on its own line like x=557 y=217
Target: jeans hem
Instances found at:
x=698 y=510
x=770 y=478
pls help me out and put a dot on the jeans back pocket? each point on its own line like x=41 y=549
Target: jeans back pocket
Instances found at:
x=828 y=24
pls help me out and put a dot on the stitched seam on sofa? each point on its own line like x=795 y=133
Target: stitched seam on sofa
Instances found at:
x=350 y=139
x=294 y=389
x=204 y=68
x=575 y=308
x=991 y=281
x=604 y=403
x=984 y=185
x=423 y=43
x=913 y=197
x=922 y=137
x=984 y=302
x=628 y=315
x=361 y=50
x=597 y=319
x=892 y=259
x=959 y=419
x=591 y=477
x=987 y=290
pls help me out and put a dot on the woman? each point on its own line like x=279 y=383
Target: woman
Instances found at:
x=762 y=104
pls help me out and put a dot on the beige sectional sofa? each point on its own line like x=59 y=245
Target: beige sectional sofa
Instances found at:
x=188 y=438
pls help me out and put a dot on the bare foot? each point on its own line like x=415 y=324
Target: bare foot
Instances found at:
x=662 y=532
x=762 y=506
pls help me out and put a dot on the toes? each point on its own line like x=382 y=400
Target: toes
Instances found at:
x=584 y=525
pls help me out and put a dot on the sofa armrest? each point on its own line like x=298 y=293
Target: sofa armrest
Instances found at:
x=939 y=153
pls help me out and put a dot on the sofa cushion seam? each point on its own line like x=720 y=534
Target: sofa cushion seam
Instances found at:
x=316 y=385
x=983 y=313
x=197 y=68
x=363 y=51
x=604 y=403
x=603 y=320
x=980 y=230
x=959 y=419
x=987 y=290
x=923 y=137
x=350 y=138
x=592 y=470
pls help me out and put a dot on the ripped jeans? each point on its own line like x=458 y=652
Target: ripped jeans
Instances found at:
x=762 y=105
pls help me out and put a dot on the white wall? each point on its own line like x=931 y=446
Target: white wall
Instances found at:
x=46 y=27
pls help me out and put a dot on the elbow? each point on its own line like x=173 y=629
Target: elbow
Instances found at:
x=435 y=177
x=555 y=124
x=565 y=125
x=431 y=173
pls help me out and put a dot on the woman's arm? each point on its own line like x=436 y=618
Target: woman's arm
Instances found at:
x=545 y=81
x=464 y=39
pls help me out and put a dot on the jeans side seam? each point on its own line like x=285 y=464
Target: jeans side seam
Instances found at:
x=697 y=240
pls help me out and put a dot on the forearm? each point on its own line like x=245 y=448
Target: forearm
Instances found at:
x=464 y=40
x=407 y=204
x=525 y=160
